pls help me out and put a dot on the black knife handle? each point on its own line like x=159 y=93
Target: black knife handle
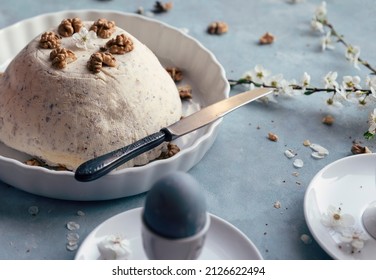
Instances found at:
x=100 y=166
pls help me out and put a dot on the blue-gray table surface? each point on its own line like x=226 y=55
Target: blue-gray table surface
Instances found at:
x=244 y=173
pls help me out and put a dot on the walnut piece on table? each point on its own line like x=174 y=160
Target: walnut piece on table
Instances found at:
x=160 y=7
x=272 y=137
x=328 y=120
x=359 y=149
x=267 y=39
x=217 y=28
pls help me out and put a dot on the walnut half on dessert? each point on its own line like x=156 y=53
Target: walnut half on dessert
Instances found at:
x=64 y=110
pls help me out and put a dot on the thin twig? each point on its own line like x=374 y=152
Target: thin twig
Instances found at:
x=341 y=40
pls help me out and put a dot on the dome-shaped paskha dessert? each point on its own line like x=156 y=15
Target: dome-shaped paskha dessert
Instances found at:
x=84 y=89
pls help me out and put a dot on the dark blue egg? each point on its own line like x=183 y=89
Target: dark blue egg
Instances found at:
x=175 y=206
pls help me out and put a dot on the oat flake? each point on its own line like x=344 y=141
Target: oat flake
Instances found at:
x=298 y=163
x=317 y=155
x=73 y=226
x=306 y=239
x=73 y=236
x=72 y=242
x=320 y=149
x=80 y=213
x=277 y=204
x=306 y=143
x=289 y=154
x=72 y=247
x=33 y=210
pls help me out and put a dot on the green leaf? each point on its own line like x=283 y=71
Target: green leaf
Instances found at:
x=243 y=81
x=368 y=135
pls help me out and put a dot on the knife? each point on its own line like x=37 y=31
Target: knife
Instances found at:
x=100 y=166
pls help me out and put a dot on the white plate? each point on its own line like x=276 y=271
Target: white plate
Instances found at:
x=349 y=183
x=223 y=241
x=173 y=48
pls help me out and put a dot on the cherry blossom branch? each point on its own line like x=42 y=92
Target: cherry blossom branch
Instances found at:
x=319 y=21
x=348 y=90
x=306 y=90
x=349 y=47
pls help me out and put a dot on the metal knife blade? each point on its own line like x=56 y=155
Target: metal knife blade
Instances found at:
x=100 y=166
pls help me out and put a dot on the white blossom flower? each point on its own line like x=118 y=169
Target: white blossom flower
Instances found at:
x=354 y=237
x=351 y=82
x=334 y=218
x=352 y=54
x=259 y=74
x=342 y=92
x=84 y=38
x=113 y=247
x=358 y=93
x=267 y=99
x=350 y=96
x=306 y=80
x=321 y=12
x=286 y=88
x=330 y=80
x=347 y=95
x=317 y=26
x=247 y=76
x=274 y=81
x=326 y=41
x=372 y=122
x=371 y=84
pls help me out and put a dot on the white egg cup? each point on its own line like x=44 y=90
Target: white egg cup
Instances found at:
x=158 y=247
